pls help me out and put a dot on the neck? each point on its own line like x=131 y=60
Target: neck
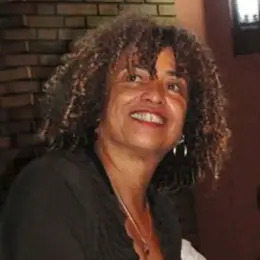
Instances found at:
x=128 y=172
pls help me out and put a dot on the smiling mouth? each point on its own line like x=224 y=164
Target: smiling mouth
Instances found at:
x=148 y=117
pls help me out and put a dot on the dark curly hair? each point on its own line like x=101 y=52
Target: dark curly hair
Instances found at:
x=76 y=92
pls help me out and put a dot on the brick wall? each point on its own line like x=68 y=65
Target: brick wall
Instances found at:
x=34 y=34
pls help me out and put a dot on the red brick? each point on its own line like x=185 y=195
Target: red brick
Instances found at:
x=16 y=101
x=107 y=1
x=108 y=9
x=135 y=1
x=19 y=34
x=15 y=74
x=11 y=128
x=48 y=47
x=19 y=126
x=27 y=112
x=16 y=8
x=165 y=20
x=47 y=34
x=150 y=9
x=166 y=9
x=41 y=72
x=160 y=1
x=94 y=21
x=75 y=9
x=45 y=21
x=9 y=47
x=49 y=59
x=20 y=60
x=46 y=8
x=77 y=22
x=12 y=21
x=22 y=87
x=50 y=1
x=65 y=34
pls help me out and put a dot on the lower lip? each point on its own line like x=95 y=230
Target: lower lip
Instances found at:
x=151 y=124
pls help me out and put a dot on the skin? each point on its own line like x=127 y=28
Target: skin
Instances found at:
x=130 y=149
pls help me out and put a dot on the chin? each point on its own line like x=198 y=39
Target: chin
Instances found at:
x=149 y=146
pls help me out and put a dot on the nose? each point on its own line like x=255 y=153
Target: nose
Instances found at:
x=154 y=93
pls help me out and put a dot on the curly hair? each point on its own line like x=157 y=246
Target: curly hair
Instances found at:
x=75 y=93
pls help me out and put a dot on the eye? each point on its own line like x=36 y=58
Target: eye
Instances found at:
x=133 y=78
x=175 y=87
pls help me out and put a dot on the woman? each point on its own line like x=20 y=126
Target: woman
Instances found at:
x=117 y=111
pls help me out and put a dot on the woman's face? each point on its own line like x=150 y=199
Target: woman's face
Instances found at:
x=145 y=112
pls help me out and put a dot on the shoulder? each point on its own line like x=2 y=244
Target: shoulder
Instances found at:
x=52 y=203
x=56 y=172
x=57 y=164
x=59 y=160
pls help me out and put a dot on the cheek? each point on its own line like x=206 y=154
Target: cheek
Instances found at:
x=122 y=98
x=178 y=115
x=116 y=109
x=178 y=109
x=113 y=101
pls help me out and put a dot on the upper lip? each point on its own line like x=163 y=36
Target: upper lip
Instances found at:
x=159 y=112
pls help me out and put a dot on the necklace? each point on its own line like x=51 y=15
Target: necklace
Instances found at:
x=145 y=241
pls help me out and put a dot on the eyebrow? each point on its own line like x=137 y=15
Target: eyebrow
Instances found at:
x=172 y=73
x=177 y=74
x=169 y=72
x=137 y=66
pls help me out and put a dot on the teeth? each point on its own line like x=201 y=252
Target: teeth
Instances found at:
x=147 y=117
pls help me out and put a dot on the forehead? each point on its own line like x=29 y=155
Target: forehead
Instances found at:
x=131 y=57
x=166 y=59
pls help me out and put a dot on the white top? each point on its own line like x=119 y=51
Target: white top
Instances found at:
x=190 y=253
